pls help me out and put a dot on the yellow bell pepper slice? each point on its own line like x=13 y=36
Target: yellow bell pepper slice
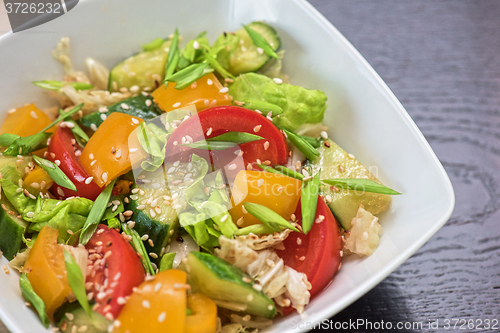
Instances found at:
x=275 y=191
x=158 y=305
x=204 y=314
x=106 y=155
x=47 y=271
x=38 y=179
x=203 y=93
x=26 y=120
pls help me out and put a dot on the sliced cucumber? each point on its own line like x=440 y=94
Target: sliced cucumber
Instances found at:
x=335 y=162
x=227 y=285
x=12 y=229
x=137 y=106
x=72 y=315
x=240 y=54
x=141 y=69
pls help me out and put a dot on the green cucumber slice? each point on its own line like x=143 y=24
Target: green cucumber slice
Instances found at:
x=241 y=55
x=137 y=106
x=141 y=69
x=226 y=284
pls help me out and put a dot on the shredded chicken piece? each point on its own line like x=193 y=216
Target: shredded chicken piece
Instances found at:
x=260 y=243
x=278 y=281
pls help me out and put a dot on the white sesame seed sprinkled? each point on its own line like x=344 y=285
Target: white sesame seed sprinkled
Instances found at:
x=196 y=45
x=146 y=304
x=278 y=80
x=30 y=214
x=351 y=155
x=224 y=218
x=194 y=85
x=299 y=241
x=266 y=145
x=224 y=90
x=206 y=102
x=57 y=162
x=133 y=150
x=249 y=166
x=324 y=135
x=240 y=221
x=232 y=167
x=177 y=206
x=104 y=176
x=257 y=128
x=209 y=82
x=270 y=307
x=89 y=180
x=134 y=89
x=60 y=191
x=260 y=50
x=145 y=237
x=124 y=106
x=103 y=116
x=93 y=162
x=257 y=287
x=93 y=127
x=11 y=111
x=91 y=156
x=118 y=153
x=209 y=131
x=103 y=109
x=162 y=316
x=243 y=209
x=135 y=121
x=141 y=207
x=33 y=114
x=153 y=255
x=148 y=102
x=176 y=105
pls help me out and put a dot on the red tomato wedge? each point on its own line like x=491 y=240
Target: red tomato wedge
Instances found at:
x=62 y=148
x=114 y=270
x=218 y=120
x=317 y=254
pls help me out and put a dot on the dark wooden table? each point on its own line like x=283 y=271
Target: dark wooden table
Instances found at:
x=442 y=60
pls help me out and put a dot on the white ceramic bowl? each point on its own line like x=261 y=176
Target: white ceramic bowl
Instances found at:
x=363 y=115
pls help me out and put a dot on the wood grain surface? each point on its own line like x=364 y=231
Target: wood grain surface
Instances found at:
x=442 y=60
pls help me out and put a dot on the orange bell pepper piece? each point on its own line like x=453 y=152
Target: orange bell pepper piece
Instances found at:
x=205 y=92
x=275 y=191
x=158 y=305
x=106 y=155
x=26 y=120
x=38 y=179
x=47 y=271
x=204 y=317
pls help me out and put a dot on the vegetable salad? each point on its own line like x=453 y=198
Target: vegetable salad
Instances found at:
x=191 y=188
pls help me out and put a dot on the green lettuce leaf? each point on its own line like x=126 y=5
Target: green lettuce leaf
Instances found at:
x=300 y=105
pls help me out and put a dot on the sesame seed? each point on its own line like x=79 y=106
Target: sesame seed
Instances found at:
x=145 y=237
x=103 y=116
x=270 y=307
x=209 y=82
x=30 y=214
x=196 y=45
x=324 y=135
x=177 y=206
x=257 y=287
x=103 y=109
x=206 y=102
x=135 y=121
x=150 y=242
x=121 y=300
x=146 y=304
x=91 y=156
x=93 y=162
x=244 y=210
x=260 y=182
x=134 y=89
x=162 y=316
x=266 y=145
x=240 y=221
x=351 y=155
x=299 y=241
x=153 y=255
x=232 y=167
x=93 y=127
x=118 y=153
x=341 y=168
x=257 y=128
x=224 y=90
x=69 y=315
x=278 y=80
x=249 y=166
x=224 y=218
x=209 y=131
x=104 y=176
x=176 y=105
x=133 y=150
x=246 y=280
x=11 y=111
x=124 y=106
x=78 y=152
x=109 y=316
x=60 y=191
x=33 y=114
x=260 y=50
x=194 y=85
x=148 y=102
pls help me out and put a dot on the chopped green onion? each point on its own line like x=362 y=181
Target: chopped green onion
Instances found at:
x=269 y=169
x=256 y=229
x=305 y=147
x=208 y=145
x=362 y=185
x=62 y=117
x=236 y=137
x=55 y=173
x=289 y=172
x=6 y=139
x=312 y=141
x=28 y=144
x=309 y=202
x=268 y=216
x=186 y=76
x=56 y=85
x=217 y=66
x=96 y=213
x=173 y=55
x=138 y=246
x=76 y=281
x=261 y=42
